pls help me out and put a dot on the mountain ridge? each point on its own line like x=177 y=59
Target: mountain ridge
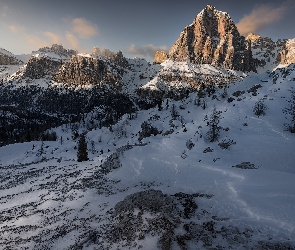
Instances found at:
x=98 y=151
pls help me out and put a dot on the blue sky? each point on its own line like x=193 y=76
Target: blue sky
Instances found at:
x=137 y=28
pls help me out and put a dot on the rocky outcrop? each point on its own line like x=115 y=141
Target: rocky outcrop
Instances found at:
x=213 y=38
x=267 y=53
x=7 y=58
x=117 y=58
x=287 y=55
x=253 y=37
x=58 y=50
x=160 y=56
x=81 y=71
x=38 y=67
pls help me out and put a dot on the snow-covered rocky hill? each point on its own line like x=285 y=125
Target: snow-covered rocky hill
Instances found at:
x=98 y=151
x=155 y=181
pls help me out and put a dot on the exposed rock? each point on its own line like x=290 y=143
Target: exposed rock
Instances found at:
x=287 y=55
x=58 y=50
x=253 y=37
x=150 y=213
x=208 y=150
x=117 y=58
x=113 y=161
x=38 y=67
x=160 y=56
x=265 y=51
x=147 y=131
x=213 y=38
x=177 y=79
x=7 y=58
x=120 y=59
x=245 y=165
x=84 y=71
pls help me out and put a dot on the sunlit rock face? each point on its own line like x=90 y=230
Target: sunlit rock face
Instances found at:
x=160 y=57
x=214 y=39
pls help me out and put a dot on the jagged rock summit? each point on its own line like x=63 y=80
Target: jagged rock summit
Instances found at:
x=214 y=39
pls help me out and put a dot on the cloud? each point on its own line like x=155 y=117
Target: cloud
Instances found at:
x=146 y=50
x=36 y=41
x=15 y=29
x=54 y=38
x=4 y=10
x=261 y=16
x=83 y=28
x=73 y=41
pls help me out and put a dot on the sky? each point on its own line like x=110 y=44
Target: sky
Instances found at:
x=137 y=28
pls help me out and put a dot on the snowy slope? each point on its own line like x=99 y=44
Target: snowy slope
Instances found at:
x=49 y=200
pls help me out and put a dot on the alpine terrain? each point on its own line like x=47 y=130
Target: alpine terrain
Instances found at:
x=193 y=151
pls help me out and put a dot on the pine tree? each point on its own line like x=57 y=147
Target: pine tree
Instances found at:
x=82 y=153
x=290 y=111
x=214 y=128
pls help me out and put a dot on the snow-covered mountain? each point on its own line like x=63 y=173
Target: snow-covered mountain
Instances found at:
x=98 y=151
x=211 y=194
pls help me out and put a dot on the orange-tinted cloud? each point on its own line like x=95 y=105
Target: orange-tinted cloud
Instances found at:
x=53 y=38
x=15 y=29
x=146 y=50
x=36 y=41
x=260 y=17
x=73 y=41
x=84 y=28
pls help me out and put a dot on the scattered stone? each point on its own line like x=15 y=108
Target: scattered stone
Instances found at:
x=208 y=150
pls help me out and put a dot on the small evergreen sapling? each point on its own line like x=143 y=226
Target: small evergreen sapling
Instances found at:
x=214 y=128
x=259 y=108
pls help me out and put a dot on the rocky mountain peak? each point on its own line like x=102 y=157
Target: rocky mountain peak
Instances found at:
x=213 y=38
x=209 y=7
x=253 y=37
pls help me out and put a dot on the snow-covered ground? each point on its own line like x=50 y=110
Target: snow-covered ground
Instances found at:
x=51 y=201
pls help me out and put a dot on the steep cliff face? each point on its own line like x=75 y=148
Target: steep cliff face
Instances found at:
x=86 y=71
x=267 y=53
x=160 y=56
x=287 y=55
x=213 y=39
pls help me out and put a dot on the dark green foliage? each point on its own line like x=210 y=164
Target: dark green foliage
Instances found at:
x=147 y=130
x=290 y=113
x=27 y=112
x=259 y=108
x=49 y=136
x=214 y=128
x=82 y=154
x=225 y=144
